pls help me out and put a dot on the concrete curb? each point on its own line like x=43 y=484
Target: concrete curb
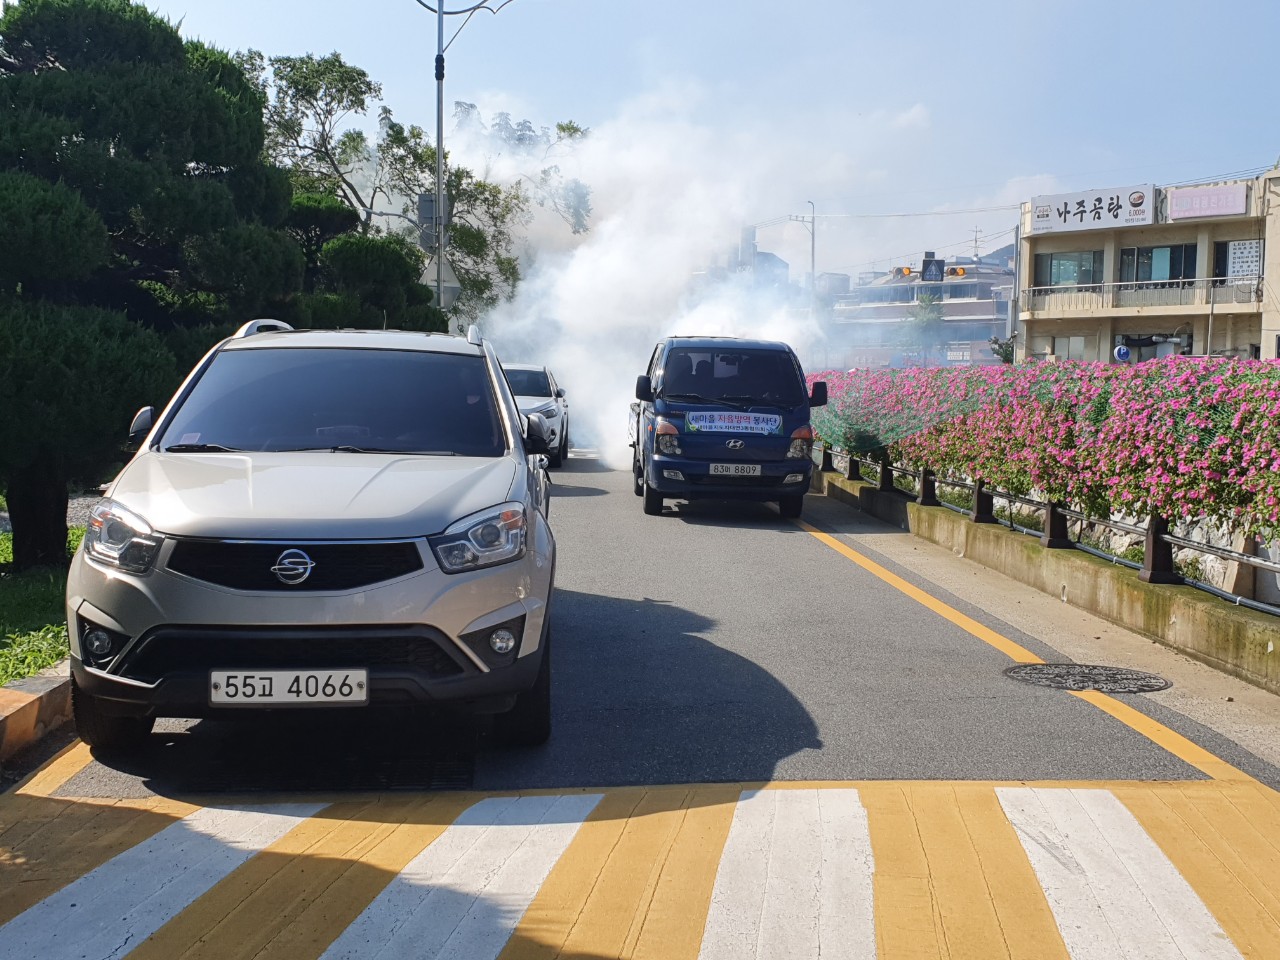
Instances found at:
x=1236 y=640
x=33 y=707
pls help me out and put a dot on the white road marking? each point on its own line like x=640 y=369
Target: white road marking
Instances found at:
x=1112 y=890
x=795 y=880
x=464 y=894
x=112 y=909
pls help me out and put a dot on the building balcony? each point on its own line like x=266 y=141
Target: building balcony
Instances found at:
x=1201 y=293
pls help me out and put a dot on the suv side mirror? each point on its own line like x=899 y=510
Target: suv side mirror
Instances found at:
x=143 y=421
x=535 y=435
x=644 y=389
x=560 y=392
x=818 y=394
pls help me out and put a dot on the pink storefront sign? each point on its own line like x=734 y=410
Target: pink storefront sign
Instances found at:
x=1230 y=200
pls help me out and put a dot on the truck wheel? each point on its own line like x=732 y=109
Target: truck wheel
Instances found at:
x=637 y=477
x=652 y=501
x=103 y=731
x=528 y=723
x=791 y=507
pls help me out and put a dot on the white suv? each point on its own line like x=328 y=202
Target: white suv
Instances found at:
x=320 y=519
x=536 y=391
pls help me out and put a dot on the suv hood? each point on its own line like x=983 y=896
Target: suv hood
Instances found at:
x=528 y=404
x=310 y=495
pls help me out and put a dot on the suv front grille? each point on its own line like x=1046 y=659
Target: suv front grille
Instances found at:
x=246 y=565
x=187 y=650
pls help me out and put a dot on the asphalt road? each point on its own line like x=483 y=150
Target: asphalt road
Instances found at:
x=716 y=643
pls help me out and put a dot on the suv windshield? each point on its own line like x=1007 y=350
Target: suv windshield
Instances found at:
x=290 y=398
x=529 y=383
x=738 y=376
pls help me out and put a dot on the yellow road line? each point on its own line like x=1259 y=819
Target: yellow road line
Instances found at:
x=57 y=771
x=968 y=624
x=1227 y=854
x=1157 y=733
x=294 y=898
x=1182 y=748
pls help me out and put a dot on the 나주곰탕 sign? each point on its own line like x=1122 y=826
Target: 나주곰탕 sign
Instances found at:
x=1094 y=209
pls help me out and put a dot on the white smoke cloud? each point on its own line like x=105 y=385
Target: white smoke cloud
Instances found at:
x=669 y=198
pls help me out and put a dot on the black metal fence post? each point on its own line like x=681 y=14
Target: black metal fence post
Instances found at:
x=984 y=504
x=824 y=456
x=928 y=495
x=1157 y=554
x=886 y=474
x=1055 y=535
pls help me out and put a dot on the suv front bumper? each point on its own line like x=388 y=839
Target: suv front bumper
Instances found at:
x=422 y=637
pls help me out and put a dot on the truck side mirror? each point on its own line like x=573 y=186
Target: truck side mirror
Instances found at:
x=143 y=421
x=818 y=394
x=644 y=389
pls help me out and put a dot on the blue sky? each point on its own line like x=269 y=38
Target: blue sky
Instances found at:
x=864 y=108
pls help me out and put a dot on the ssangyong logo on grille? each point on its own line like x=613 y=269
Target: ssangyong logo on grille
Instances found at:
x=292 y=567
x=734 y=444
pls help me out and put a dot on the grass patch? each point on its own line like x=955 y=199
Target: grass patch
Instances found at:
x=33 y=628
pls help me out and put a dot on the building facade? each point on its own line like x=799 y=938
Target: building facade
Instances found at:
x=1143 y=271
x=876 y=323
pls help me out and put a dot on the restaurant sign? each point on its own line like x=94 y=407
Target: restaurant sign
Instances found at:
x=1222 y=200
x=1094 y=209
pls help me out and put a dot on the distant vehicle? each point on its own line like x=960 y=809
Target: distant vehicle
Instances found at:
x=536 y=391
x=320 y=519
x=724 y=419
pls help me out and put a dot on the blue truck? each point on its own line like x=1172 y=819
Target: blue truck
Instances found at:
x=721 y=418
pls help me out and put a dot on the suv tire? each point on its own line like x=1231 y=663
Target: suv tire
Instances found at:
x=528 y=723
x=103 y=731
x=562 y=450
x=791 y=507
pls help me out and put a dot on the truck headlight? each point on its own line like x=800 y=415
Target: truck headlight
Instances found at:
x=668 y=437
x=484 y=539
x=118 y=537
x=801 y=443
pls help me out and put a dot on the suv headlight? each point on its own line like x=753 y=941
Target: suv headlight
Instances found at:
x=484 y=539
x=120 y=538
x=547 y=409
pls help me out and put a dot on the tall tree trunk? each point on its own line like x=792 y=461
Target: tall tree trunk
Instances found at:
x=37 y=497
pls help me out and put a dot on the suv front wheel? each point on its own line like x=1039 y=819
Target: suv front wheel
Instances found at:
x=105 y=731
x=528 y=723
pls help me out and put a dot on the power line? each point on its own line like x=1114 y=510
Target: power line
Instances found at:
x=946 y=246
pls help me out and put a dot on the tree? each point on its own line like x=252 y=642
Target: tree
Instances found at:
x=924 y=328
x=312 y=102
x=315 y=219
x=1002 y=347
x=134 y=199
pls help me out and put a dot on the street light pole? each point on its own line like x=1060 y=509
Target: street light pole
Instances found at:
x=439 y=211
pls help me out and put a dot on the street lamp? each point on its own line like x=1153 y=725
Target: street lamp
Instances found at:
x=441 y=47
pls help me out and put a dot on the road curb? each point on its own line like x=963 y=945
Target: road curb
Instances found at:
x=33 y=707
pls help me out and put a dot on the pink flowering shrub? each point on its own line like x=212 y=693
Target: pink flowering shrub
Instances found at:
x=1183 y=437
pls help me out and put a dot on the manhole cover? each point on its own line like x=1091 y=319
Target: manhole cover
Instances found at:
x=1087 y=676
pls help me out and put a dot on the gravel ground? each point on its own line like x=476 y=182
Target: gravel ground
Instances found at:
x=77 y=512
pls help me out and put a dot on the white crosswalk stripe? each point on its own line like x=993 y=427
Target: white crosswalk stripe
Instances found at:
x=1112 y=890
x=795 y=880
x=462 y=897
x=108 y=911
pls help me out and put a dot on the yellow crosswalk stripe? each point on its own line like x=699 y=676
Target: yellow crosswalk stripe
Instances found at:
x=49 y=842
x=951 y=877
x=1224 y=843
x=295 y=897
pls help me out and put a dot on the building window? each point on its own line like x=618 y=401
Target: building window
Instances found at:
x=1080 y=269
x=1068 y=348
x=1237 y=258
x=1158 y=264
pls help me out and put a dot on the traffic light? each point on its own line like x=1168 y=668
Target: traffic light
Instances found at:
x=902 y=271
x=955 y=271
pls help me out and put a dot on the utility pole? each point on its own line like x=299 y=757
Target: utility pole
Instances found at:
x=976 y=231
x=813 y=261
x=440 y=218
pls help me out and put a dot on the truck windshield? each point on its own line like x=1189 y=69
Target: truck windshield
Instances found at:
x=769 y=376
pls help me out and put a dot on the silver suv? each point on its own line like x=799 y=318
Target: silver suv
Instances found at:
x=320 y=519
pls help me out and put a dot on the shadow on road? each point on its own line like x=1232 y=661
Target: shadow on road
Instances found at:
x=640 y=697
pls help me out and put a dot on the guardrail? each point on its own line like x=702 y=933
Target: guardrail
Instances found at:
x=1154 y=293
x=1157 y=564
